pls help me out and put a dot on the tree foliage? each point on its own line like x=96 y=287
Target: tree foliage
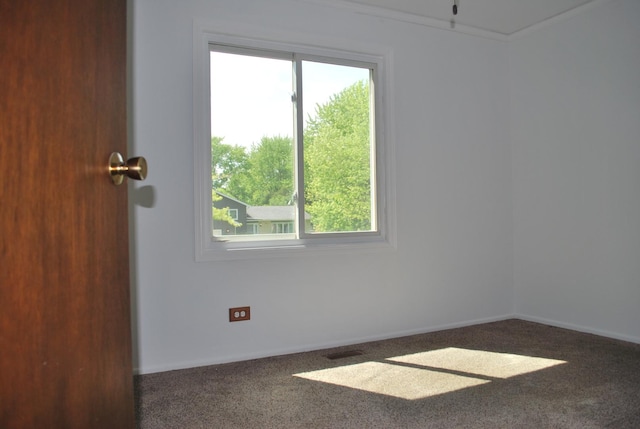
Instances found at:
x=337 y=154
x=269 y=181
x=264 y=176
x=227 y=161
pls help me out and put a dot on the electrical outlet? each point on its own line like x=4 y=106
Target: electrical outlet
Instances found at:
x=238 y=314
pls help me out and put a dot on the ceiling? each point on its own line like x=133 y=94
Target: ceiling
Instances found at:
x=503 y=17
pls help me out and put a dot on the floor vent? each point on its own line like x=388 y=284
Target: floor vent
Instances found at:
x=345 y=354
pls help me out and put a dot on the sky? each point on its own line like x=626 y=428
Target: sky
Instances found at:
x=251 y=96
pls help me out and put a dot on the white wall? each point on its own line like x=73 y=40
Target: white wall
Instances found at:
x=453 y=263
x=575 y=127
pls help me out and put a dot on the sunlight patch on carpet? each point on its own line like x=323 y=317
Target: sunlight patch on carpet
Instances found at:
x=393 y=380
x=478 y=362
x=421 y=375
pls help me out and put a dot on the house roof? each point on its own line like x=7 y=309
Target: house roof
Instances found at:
x=272 y=213
x=230 y=198
x=266 y=213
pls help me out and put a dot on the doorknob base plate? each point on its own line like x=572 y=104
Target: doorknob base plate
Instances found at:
x=117 y=168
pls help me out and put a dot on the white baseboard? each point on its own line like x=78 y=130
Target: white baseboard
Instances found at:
x=578 y=328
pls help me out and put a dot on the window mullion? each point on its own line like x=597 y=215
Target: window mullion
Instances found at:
x=298 y=147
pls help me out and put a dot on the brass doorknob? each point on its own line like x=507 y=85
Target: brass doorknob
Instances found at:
x=134 y=168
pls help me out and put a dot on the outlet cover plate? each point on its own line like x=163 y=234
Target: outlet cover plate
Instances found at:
x=238 y=314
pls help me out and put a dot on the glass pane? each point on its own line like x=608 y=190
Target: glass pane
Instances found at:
x=337 y=148
x=251 y=146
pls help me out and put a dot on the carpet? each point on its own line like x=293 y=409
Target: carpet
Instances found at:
x=507 y=374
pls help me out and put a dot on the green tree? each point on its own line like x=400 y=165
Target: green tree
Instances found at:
x=268 y=179
x=337 y=152
x=264 y=176
x=226 y=162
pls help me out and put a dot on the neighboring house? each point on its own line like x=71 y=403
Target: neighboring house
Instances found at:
x=237 y=210
x=256 y=219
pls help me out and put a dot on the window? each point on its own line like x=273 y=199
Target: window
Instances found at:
x=252 y=228
x=294 y=135
x=282 y=227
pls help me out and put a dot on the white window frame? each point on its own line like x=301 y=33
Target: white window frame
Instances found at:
x=208 y=248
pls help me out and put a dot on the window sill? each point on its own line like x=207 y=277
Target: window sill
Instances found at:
x=221 y=251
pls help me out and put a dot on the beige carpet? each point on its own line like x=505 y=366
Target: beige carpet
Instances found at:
x=510 y=374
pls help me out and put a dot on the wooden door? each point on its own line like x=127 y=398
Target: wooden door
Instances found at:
x=65 y=341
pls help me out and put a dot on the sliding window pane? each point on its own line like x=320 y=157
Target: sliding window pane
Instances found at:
x=338 y=148
x=251 y=146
